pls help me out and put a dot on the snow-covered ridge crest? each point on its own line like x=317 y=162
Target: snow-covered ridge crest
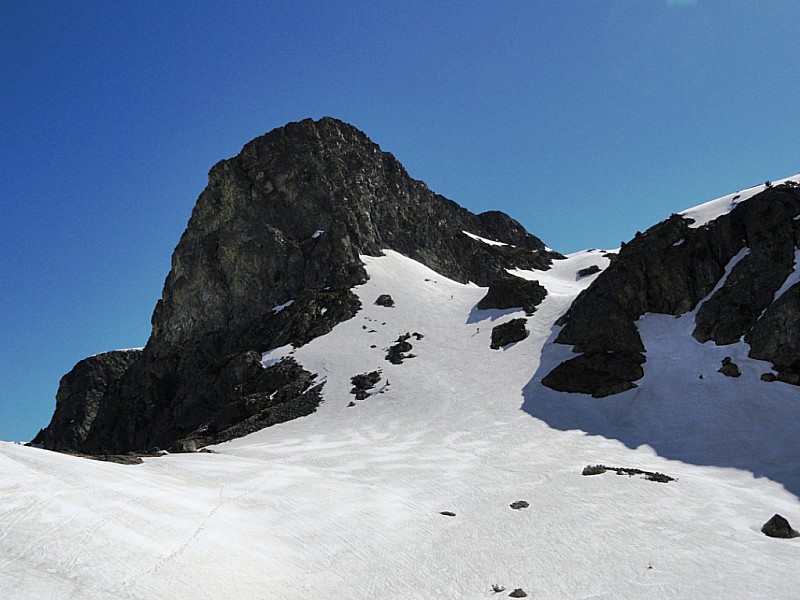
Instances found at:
x=703 y=214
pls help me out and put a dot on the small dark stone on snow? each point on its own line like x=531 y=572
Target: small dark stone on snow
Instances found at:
x=207 y=451
x=351 y=404
x=778 y=527
x=447 y=513
x=518 y=593
x=519 y=504
x=385 y=300
x=768 y=377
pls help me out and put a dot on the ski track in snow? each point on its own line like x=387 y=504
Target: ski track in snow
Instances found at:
x=346 y=503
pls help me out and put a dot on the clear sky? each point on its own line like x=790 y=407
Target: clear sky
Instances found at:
x=586 y=121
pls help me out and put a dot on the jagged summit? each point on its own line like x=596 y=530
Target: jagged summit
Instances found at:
x=269 y=257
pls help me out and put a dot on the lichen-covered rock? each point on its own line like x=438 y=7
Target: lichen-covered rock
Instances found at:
x=509 y=333
x=513 y=292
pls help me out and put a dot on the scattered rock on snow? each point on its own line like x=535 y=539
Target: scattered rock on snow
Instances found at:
x=519 y=504
x=768 y=377
x=518 y=593
x=447 y=513
x=364 y=382
x=778 y=527
x=399 y=351
x=649 y=475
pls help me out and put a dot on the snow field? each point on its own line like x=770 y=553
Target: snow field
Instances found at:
x=346 y=503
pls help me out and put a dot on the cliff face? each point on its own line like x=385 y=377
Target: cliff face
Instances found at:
x=670 y=269
x=269 y=257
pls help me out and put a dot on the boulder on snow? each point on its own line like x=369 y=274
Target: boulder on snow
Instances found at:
x=519 y=504
x=588 y=271
x=385 y=300
x=518 y=593
x=513 y=292
x=778 y=527
x=509 y=333
x=729 y=368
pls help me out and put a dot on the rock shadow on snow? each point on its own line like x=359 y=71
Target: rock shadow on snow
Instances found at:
x=708 y=425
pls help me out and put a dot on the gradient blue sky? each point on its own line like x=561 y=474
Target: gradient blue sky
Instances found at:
x=586 y=121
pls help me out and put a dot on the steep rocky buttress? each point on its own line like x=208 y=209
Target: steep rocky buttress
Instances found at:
x=269 y=258
x=670 y=269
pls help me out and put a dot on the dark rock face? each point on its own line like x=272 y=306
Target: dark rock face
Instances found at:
x=597 y=373
x=79 y=396
x=776 y=336
x=778 y=527
x=269 y=257
x=513 y=292
x=509 y=333
x=669 y=269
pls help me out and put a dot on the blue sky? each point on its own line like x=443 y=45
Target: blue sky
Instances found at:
x=586 y=121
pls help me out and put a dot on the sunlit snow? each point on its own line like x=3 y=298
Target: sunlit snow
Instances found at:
x=346 y=503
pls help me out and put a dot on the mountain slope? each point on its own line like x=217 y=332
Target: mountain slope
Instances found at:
x=676 y=267
x=369 y=430
x=268 y=258
x=346 y=502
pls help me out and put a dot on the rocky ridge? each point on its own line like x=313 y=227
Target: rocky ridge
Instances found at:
x=672 y=269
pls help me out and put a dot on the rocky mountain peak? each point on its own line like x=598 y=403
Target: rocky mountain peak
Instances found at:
x=269 y=257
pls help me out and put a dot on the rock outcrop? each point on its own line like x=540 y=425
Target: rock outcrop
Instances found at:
x=670 y=269
x=513 y=292
x=80 y=394
x=269 y=257
x=511 y=332
x=779 y=527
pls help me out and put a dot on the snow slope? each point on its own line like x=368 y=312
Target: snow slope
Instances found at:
x=346 y=503
x=705 y=213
